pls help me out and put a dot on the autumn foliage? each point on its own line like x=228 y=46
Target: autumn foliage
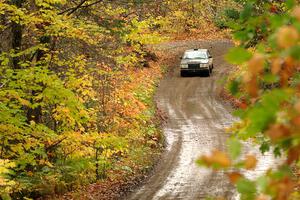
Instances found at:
x=77 y=80
x=266 y=80
x=75 y=94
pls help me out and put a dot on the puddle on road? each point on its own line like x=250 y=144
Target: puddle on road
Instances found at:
x=199 y=138
x=265 y=162
x=181 y=182
x=196 y=123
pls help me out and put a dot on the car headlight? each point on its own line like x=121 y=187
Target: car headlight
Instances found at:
x=205 y=65
x=184 y=66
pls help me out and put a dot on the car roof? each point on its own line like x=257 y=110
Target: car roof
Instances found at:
x=200 y=50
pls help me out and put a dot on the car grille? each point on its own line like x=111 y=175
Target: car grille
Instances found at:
x=194 y=66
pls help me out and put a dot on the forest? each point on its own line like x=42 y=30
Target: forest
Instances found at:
x=78 y=79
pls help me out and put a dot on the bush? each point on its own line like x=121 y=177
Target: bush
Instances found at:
x=232 y=14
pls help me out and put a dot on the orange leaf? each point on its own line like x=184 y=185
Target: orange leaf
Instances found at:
x=283 y=188
x=287 y=36
x=263 y=197
x=207 y=160
x=256 y=64
x=296 y=13
x=234 y=177
x=250 y=162
x=252 y=87
x=297 y=107
x=277 y=132
x=293 y=154
x=276 y=65
x=221 y=158
x=217 y=157
x=296 y=121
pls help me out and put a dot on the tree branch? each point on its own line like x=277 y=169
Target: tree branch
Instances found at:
x=50 y=147
x=70 y=11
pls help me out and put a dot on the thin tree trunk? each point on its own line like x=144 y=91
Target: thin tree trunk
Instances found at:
x=97 y=164
x=35 y=114
x=16 y=30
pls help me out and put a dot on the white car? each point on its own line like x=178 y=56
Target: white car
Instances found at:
x=196 y=61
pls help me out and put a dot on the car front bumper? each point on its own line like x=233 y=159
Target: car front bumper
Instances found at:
x=187 y=70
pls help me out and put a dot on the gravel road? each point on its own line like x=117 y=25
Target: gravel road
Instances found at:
x=196 y=121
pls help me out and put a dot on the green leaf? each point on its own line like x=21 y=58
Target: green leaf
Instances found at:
x=247 y=189
x=259 y=120
x=295 y=79
x=238 y=55
x=262 y=183
x=5 y=196
x=272 y=100
x=246 y=13
x=234 y=87
x=271 y=78
x=242 y=35
x=283 y=171
x=234 y=148
x=264 y=147
x=239 y=113
x=295 y=52
x=264 y=112
x=290 y=3
x=277 y=21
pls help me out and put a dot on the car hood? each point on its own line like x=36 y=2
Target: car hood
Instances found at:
x=194 y=61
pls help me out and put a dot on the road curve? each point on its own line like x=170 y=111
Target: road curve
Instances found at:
x=196 y=121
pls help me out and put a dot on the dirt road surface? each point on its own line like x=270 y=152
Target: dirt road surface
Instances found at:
x=196 y=121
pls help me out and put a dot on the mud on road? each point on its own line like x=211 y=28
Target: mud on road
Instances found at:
x=196 y=121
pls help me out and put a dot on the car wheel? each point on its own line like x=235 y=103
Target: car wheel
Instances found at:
x=208 y=72
x=182 y=74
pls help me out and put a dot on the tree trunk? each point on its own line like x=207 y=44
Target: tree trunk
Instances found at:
x=35 y=114
x=16 y=31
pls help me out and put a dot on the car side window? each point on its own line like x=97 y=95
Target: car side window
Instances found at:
x=209 y=55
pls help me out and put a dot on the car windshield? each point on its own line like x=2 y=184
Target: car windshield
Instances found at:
x=195 y=55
